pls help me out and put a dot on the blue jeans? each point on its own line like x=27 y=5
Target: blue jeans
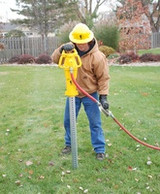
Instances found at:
x=93 y=113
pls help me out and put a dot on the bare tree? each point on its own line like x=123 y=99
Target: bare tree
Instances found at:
x=87 y=10
x=152 y=11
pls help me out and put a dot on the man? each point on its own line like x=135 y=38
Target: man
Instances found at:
x=93 y=77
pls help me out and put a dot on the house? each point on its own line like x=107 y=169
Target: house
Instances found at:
x=7 y=27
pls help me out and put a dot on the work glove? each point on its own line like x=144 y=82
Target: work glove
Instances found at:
x=103 y=101
x=67 y=47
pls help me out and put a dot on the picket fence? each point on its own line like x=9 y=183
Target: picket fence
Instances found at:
x=37 y=45
x=34 y=46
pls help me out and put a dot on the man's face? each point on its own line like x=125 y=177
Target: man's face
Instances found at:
x=83 y=47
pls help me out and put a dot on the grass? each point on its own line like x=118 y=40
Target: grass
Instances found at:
x=31 y=134
x=153 y=51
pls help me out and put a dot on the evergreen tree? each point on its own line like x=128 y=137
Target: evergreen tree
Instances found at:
x=40 y=15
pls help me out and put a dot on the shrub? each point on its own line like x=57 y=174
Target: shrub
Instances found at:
x=149 y=57
x=14 y=59
x=109 y=35
x=128 y=58
x=43 y=59
x=106 y=50
x=15 y=33
x=26 y=58
x=157 y=57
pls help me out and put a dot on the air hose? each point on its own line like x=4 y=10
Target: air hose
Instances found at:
x=109 y=113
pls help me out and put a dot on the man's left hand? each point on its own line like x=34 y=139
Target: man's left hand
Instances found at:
x=104 y=102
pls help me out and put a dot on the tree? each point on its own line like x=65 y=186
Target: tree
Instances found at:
x=87 y=10
x=40 y=15
x=152 y=11
x=46 y=14
x=134 y=28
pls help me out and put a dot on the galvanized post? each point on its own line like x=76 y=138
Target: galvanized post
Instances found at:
x=72 y=111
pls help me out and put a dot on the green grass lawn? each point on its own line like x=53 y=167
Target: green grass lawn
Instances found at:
x=32 y=136
x=153 y=51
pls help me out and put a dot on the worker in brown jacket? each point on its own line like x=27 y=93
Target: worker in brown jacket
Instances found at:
x=93 y=77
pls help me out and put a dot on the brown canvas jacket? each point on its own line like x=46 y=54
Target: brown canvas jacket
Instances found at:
x=93 y=75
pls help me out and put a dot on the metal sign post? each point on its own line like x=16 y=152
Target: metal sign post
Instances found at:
x=72 y=112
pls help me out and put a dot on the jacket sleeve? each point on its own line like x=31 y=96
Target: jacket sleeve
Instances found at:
x=56 y=55
x=101 y=71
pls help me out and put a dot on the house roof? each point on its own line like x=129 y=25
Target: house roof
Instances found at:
x=6 y=27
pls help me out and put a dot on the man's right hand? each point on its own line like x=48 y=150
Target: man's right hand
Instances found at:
x=67 y=47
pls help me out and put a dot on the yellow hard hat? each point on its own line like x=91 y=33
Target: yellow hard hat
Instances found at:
x=81 y=34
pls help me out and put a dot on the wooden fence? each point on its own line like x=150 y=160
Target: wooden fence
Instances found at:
x=37 y=45
x=25 y=45
x=155 y=40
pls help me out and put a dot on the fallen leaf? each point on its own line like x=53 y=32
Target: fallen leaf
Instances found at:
x=150 y=176
x=149 y=162
x=63 y=173
x=144 y=94
x=81 y=188
x=107 y=155
x=134 y=169
x=41 y=177
x=99 y=180
x=85 y=191
x=18 y=182
x=29 y=163
x=68 y=186
x=130 y=168
x=51 y=163
x=30 y=172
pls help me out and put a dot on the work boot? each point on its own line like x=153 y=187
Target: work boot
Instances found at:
x=66 y=150
x=100 y=156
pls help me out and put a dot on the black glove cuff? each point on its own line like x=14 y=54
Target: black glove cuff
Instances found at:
x=103 y=97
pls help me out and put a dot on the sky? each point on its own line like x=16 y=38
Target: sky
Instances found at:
x=6 y=13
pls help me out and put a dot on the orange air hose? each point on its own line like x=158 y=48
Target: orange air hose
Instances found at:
x=108 y=113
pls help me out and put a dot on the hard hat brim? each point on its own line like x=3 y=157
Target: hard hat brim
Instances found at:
x=77 y=41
